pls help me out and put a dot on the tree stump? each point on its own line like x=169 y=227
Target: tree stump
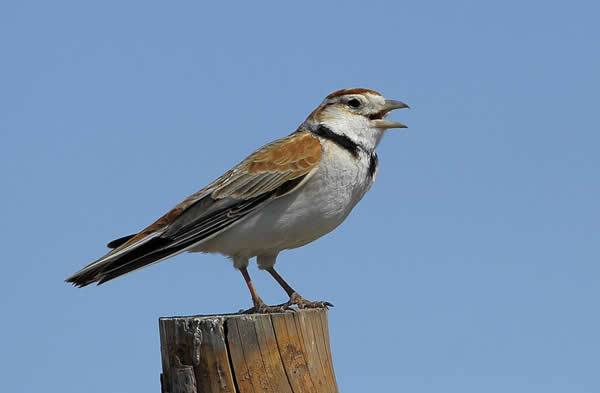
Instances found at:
x=280 y=353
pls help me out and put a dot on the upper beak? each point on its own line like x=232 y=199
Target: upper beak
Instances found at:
x=390 y=105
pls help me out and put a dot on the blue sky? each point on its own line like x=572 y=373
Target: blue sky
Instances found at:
x=471 y=265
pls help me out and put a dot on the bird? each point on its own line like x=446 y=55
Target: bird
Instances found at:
x=284 y=195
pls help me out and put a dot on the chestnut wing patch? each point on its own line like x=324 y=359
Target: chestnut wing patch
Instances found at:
x=270 y=166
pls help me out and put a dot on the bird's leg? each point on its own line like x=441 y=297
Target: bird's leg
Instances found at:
x=259 y=306
x=295 y=297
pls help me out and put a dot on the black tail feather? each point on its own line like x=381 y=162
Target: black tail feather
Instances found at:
x=117 y=242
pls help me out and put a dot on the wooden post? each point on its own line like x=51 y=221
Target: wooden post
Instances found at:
x=278 y=353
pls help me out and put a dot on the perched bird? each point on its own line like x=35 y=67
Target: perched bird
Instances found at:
x=286 y=194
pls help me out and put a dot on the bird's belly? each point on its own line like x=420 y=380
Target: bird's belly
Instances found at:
x=298 y=218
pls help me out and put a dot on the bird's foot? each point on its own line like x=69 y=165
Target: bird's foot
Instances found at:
x=303 y=303
x=261 y=308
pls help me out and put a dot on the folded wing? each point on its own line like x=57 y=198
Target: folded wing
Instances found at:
x=272 y=171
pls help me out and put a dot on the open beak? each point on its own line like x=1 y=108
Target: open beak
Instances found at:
x=390 y=105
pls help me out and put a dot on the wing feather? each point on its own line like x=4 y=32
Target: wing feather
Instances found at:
x=270 y=166
x=270 y=172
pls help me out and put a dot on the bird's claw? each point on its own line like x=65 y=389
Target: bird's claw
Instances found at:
x=261 y=308
x=303 y=303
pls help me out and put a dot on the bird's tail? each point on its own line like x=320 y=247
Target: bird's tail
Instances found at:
x=128 y=254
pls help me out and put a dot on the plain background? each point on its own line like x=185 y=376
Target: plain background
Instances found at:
x=471 y=266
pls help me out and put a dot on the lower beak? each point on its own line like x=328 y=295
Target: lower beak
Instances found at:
x=382 y=123
x=390 y=105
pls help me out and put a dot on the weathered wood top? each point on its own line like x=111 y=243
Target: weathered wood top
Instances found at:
x=280 y=353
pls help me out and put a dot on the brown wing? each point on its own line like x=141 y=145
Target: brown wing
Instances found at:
x=269 y=167
x=264 y=170
x=272 y=171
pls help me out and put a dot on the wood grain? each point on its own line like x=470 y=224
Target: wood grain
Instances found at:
x=258 y=353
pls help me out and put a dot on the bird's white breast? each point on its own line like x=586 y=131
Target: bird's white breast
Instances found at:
x=304 y=215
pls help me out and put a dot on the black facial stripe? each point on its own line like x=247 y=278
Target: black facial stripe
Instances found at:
x=373 y=163
x=341 y=140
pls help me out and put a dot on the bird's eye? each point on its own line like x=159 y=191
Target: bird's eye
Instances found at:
x=354 y=103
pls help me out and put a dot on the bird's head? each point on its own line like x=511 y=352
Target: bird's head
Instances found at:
x=356 y=113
